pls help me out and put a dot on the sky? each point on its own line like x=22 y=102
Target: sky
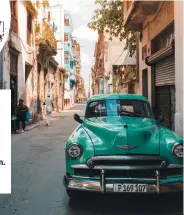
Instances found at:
x=81 y=12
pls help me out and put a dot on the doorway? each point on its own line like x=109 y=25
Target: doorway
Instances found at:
x=14 y=76
x=165 y=104
x=145 y=83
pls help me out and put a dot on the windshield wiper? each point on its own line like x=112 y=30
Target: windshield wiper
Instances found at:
x=129 y=112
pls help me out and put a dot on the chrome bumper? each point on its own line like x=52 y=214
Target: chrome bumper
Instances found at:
x=92 y=185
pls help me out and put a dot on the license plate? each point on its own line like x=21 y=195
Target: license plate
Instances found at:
x=130 y=188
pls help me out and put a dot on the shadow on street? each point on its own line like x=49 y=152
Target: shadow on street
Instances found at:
x=129 y=204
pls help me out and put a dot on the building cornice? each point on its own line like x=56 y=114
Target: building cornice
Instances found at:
x=31 y=8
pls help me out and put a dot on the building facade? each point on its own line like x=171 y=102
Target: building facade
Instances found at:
x=41 y=57
x=158 y=55
x=98 y=66
x=19 y=55
x=56 y=19
x=68 y=60
x=29 y=60
x=120 y=68
x=77 y=68
x=46 y=49
x=114 y=70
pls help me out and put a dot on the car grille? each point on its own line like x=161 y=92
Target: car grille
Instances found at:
x=127 y=162
x=150 y=164
x=164 y=173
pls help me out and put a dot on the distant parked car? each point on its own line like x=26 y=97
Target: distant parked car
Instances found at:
x=121 y=147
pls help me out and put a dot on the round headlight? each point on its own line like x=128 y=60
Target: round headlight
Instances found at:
x=178 y=150
x=75 y=151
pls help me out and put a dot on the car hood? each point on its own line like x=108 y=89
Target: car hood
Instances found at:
x=123 y=135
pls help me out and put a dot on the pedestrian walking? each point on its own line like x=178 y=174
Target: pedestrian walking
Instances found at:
x=49 y=108
x=13 y=117
x=22 y=109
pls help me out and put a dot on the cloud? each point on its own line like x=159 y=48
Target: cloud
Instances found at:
x=85 y=18
x=75 y=6
x=85 y=3
x=85 y=33
x=85 y=59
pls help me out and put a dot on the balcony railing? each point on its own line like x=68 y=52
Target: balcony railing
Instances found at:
x=14 y=24
x=135 y=12
x=128 y=5
x=46 y=36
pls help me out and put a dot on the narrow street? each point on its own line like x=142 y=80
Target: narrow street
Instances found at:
x=38 y=166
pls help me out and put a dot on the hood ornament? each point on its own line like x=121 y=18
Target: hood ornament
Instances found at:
x=126 y=147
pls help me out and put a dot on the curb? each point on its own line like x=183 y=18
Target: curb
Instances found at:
x=29 y=128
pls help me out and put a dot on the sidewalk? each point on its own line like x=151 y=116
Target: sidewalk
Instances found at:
x=54 y=114
x=42 y=122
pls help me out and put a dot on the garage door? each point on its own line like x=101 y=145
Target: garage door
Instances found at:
x=165 y=72
x=165 y=90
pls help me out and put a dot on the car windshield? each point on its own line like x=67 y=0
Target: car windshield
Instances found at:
x=118 y=107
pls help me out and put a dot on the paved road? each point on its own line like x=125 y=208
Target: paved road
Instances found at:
x=37 y=169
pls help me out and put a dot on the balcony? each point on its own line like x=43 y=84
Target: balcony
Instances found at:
x=14 y=24
x=67 y=48
x=31 y=8
x=136 y=12
x=46 y=39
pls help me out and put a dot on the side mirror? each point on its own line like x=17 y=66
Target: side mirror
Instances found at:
x=77 y=118
x=160 y=118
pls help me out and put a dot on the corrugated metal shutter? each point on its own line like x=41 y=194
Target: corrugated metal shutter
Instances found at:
x=165 y=72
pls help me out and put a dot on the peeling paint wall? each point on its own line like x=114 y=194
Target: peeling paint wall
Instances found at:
x=179 y=37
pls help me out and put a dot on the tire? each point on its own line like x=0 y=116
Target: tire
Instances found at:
x=73 y=194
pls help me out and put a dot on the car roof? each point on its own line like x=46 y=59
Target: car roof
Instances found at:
x=117 y=96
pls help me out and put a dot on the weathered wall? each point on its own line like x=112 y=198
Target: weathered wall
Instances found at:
x=179 y=35
x=152 y=26
x=6 y=67
x=26 y=91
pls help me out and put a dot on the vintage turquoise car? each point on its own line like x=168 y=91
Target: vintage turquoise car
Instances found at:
x=120 y=146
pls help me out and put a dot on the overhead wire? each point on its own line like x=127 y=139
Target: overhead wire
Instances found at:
x=118 y=57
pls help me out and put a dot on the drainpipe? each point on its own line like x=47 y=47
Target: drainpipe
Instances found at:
x=137 y=61
x=1 y=69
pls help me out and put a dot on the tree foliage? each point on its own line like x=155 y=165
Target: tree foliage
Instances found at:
x=108 y=17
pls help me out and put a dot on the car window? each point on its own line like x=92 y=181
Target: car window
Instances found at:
x=120 y=107
x=129 y=108
x=96 y=109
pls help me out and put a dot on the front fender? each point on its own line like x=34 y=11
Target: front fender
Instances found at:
x=81 y=137
x=167 y=141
